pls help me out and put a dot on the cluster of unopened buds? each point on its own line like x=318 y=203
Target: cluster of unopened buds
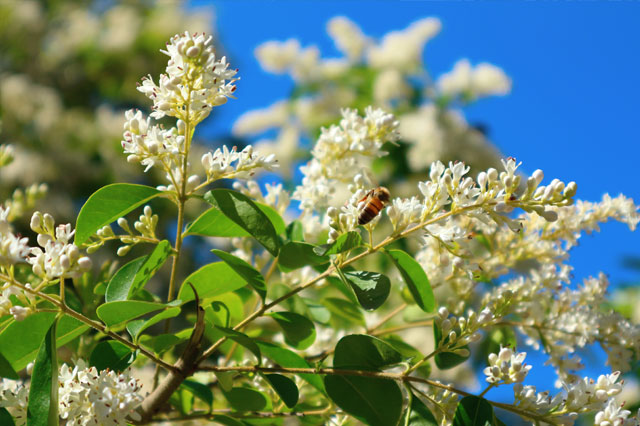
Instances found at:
x=229 y=163
x=56 y=257
x=145 y=225
x=506 y=367
x=457 y=332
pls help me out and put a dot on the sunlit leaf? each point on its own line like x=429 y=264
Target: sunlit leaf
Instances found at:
x=299 y=331
x=415 y=278
x=43 y=392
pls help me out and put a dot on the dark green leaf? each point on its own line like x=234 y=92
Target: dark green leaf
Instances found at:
x=243 y=340
x=419 y=414
x=43 y=394
x=20 y=339
x=253 y=277
x=285 y=388
x=6 y=370
x=112 y=355
x=108 y=204
x=227 y=421
x=213 y=223
x=445 y=360
x=299 y=331
x=120 y=283
x=371 y=288
x=294 y=255
x=294 y=231
x=200 y=391
x=136 y=327
x=408 y=352
x=244 y=212
x=473 y=411
x=161 y=342
x=286 y=358
x=345 y=310
x=112 y=313
x=415 y=278
x=5 y=418
x=211 y=280
x=225 y=379
x=345 y=242
x=362 y=352
x=377 y=402
x=245 y=399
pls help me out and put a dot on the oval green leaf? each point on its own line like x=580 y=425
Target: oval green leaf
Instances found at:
x=243 y=340
x=246 y=214
x=6 y=370
x=200 y=391
x=345 y=242
x=211 y=280
x=346 y=311
x=473 y=411
x=294 y=255
x=213 y=223
x=299 y=331
x=286 y=358
x=136 y=327
x=376 y=402
x=419 y=414
x=415 y=278
x=118 y=312
x=43 y=393
x=363 y=352
x=108 y=204
x=285 y=388
x=245 y=399
x=371 y=288
x=161 y=342
x=252 y=276
x=112 y=355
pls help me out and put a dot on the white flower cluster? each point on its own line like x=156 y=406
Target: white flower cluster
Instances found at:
x=585 y=395
x=275 y=195
x=342 y=152
x=196 y=80
x=506 y=367
x=8 y=295
x=13 y=249
x=149 y=145
x=227 y=164
x=86 y=397
x=470 y=82
x=457 y=332
x=56 y=257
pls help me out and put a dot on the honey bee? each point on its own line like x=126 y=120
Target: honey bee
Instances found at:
x=375 y=201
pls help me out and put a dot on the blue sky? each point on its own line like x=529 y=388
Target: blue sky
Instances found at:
x=573 y=110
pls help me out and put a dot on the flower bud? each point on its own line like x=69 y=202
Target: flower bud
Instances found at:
x=122 y=251
x=84 y=263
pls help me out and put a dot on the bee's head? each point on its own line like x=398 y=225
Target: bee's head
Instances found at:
x=383 y=194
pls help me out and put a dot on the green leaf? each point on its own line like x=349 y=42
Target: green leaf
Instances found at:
x=43 y=394
x=295 y=231
x=376 y=402
x=20 y=340
x=5 y=418
x=345 y=310
x=345 y=242
x=408 y=352
x=108 y=204
x=294 y=255
x=286 y=358
x=211 y=280
x=6 y=370
x=362 y=352
x=445 y=360
x=253 y=277
x=213 y=223
x=371 y=288
x=243 y=340
x=225 y=379
x=111 y=354
x=161 y=342
x=227 y=421
x=419 y=414
x=136 y=327
x=224 y=309
x=244 y=212
x=473 y=411
x=299 y=331
x=134 y=275
x=112 y=313
x=285 y=388
x=415 y=278
x=245 y=399
x=200 y=391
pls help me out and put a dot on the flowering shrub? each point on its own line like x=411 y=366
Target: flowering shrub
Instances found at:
x=286 y=322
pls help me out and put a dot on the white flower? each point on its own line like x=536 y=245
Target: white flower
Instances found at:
x=13 y=249
x=226 y=164
x=506 y=367
x=483 y=80
x=403 y=212
x=347 y=36
x=14 y=396
x=612 y=415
